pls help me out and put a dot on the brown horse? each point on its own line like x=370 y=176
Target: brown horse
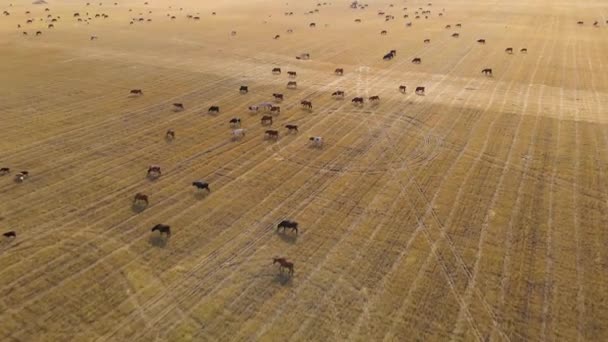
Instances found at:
x=277 y=97
x=266 y=120
x=420 y=90
x=163 y=229
x=170 y=134
x=276 y=71
x=357 y=101
x=402 y=89
x=136 y=92
x=275 y=110
x=417 y=60
x=374 y=99
x=487 y=71
x=338 y=94
x=509 y=50
x=292 y=74
x=481 y=41
x=283 y=263
x=292 y=128
x=5 y=170
x=292 y=85
x=455 y=35
x=139 y=197
x=154 y=171
x=426 y=41
x=178 y=106
x=272 y=134
x=306 y=104
x=339 y=71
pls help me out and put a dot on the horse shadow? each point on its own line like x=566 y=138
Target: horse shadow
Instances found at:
x=289 y=238
x=282 y=278
x=138 y=208
x=201 y=194
x=158 y=241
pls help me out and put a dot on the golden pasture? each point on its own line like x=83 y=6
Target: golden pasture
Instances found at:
x=475 y=212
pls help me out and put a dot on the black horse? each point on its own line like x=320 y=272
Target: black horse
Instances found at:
x=286 y=224
x=244 y=89
x=163 y=229
x=214 y=109
x=201 y=185
x=10 y=234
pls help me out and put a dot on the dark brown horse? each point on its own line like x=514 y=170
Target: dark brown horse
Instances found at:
x=339 y=71
x=272 y=134
x=402 y=89
x=277 y=97
x=276 y=71
x=420 y=90
x=163 y=229
x=292 y=74
x=136 y=92
x=487 y=71
x=357 y=101
x=306 y=104
x=283 y=263
x=275 y=110
x=5 y=170
x=266 y=120
x=292 y=128
x=139 y=197
x=481 y=41
x=374 y=98
x=426 y=41
x=10 y=234
x=154 y=171
x=338 y=94
x=509 y=50
x=213 y=109
x=178 y=106
x=287 y=224
x=243 y=89
x=170 y=134
x=292 y=85
x=417 y=60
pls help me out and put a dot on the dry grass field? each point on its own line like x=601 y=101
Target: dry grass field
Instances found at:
x=475 y=212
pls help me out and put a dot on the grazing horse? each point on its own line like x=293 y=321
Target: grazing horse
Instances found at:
x=154 y=171
x=416 y=60
x=426 y=41
x=51 y=26
x=458 y=25
x=357 y=20
x=163 y=229
x=10 y=234
x=238 y=133
x=272 y=134
x=266 y=120
x=383 y=33
x=275 y=110
x=455 y=35
x=448 y=26
x=283 y=263
x=509 y=50
x=339 y=71
x=277 y=97
x=276 y=71
x=286 y=224
x=487 y=72
x=170 y=135
x=481 y=41
x=292 y=74
x=388 y=57
x=306 y=104
x=235 y=122
x=38 y=33
x=292 y=128
x=178 y=106
x=24 y=33
x=233 y=33
x=140 y=197
x=580 y=22
x=214 y=109
x=357 y=101
x=136 y=92
x=277 y=36
x=312 y=25
x=253 y=108
x=5 y=170
x=420 y=90
x=524 y=50
x=200 y=185
x=374 y=98
x=338 y=94
x=596 y=24
x=292 y=85
x=316 y=141
x=243 y=89
x=402 y=89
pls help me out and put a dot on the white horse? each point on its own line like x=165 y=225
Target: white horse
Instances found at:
x=238 y=133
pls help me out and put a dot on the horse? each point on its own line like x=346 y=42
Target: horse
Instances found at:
x=455 y=35
x=339 y=71
x=417 y=60
x=277 y=36
x=481 y=41
x=235 y=122
x=292 y=74
x=402 y=89
x=272 y=134
x=253 y=108
x=292 y=128
x=170 y=134
x=178 y=106
x=238 y=133
x=420 y=90
x=357 y=101
x=580 y=22
x=140 y=197
x=596 y=24
x=283 y=263
x=51 y=26
x=266 y=120
x=383 y=33
x=306 y=104
x=426 y=41
x=357 y=20
x=163 y=229
x=200 y=185
x=338 y=94
x=276 y=71
x=154 y=171
x=277 y=97
x=388 y=57
x=38 y=33
x=275 y=110
x=10 y=234
x=374 y=98
x=448 y=26
x=213 y=109
x=243 y=89
x=135 y=91
x=24 y=33
x=458 y=25
x=523 y=50
x=4 y=171
x=233 y=33
x=312 y=25
x=316 y=141
x=487 y=72
x=292 y=85
x=286 y=224
x=21 y=176
x=509 y=50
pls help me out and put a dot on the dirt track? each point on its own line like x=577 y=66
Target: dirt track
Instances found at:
x=475 y=212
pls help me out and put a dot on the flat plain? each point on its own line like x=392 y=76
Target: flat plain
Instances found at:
x=477 y=211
